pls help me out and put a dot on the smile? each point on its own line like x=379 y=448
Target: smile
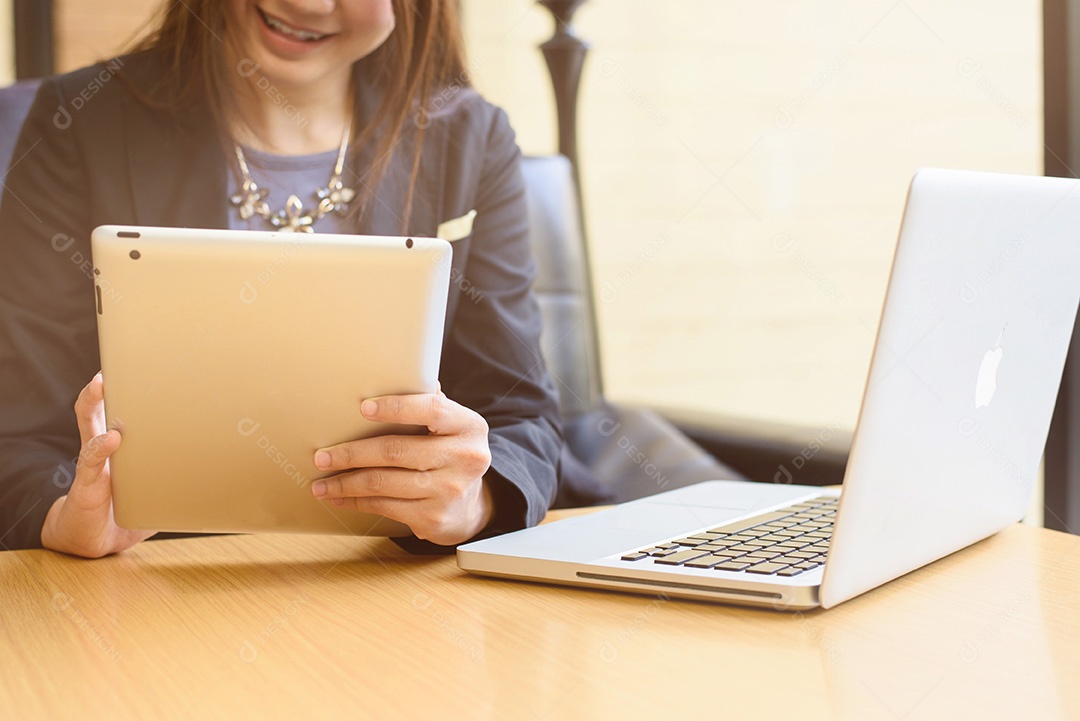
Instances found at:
x=280 y=26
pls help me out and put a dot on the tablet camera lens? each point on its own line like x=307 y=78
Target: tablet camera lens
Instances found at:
x=408 y=243
x=135 y=255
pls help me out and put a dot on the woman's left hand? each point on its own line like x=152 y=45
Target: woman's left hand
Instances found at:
x=434 y=484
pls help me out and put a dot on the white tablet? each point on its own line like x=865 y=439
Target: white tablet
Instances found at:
x=229 y=357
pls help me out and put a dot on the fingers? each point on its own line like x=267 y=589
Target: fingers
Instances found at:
x=438 y=413
x=91 y=488
x=90 y=410
x=433 y=484
x=396 y=509
x=423 y=453
x=81 y=523
x=396 y=483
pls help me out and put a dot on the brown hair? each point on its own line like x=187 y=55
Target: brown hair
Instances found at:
x=423 y=54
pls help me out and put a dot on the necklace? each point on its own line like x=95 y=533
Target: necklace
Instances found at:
x=293 y=218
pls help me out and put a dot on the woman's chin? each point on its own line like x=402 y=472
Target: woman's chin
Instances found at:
x=273 y=76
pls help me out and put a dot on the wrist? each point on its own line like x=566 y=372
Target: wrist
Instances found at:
x=487 y=504
x=49 y=537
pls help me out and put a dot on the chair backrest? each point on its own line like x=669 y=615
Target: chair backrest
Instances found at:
x=15 y=102
x=569 y=343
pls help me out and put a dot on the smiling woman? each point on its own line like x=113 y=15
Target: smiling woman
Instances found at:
x=222 y=112
x=238 y=54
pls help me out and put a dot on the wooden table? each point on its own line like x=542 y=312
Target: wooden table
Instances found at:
x=305 y=627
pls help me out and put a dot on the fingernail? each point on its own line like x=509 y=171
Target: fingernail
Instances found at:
x=369 y=407
x=322 y=459
x=318 y=488
x=339 y=502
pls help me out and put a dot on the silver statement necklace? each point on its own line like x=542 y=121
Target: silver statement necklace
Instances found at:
x=293 y=218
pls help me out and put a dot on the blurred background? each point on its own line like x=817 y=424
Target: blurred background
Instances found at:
x=744 y=167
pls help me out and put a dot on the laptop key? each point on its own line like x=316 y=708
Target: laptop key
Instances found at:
x=731 y=566
x=691 y=542
x=658 y=552
x=789 y=571
x=729 y=553
x=635 y=556
x=681 y=557
x=765 y=555
x=705 y=562
x=766 y=569
x=711 y=548
x=744 y=548
x=750 y=522
x=807 y=565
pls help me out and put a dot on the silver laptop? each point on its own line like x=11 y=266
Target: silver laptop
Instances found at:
x=964 y=375
x=230 y=357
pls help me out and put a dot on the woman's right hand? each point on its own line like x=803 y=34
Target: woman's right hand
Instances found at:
x=81 y=523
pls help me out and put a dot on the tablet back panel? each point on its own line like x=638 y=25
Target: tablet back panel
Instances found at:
x=229 y=357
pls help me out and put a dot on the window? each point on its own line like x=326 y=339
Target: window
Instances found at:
x=745 y=165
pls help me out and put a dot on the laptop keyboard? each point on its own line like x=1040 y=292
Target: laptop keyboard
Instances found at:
x=785 y=542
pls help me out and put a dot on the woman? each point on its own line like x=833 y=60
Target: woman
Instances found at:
x=326 y=115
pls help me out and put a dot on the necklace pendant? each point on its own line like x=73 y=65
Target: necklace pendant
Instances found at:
x=251 y=200
x=335 y=197
x=292 y=219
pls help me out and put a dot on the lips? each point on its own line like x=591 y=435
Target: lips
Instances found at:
x=281 y=27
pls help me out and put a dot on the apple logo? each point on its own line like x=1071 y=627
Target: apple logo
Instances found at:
x=986 y=385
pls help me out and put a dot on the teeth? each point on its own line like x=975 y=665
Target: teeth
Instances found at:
x=291 y=31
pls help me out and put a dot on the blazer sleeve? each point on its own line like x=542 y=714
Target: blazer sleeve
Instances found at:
x=48 y=340
x=491 y=357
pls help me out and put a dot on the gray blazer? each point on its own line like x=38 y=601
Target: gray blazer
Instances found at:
x=91 y=153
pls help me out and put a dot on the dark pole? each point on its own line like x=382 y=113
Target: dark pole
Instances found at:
x=565 y=55
x=33 y=21
x=1061 y=131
